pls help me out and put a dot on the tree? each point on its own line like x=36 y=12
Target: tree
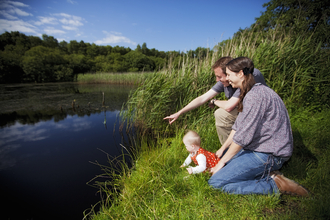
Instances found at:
x=297 y=16
x=49 y=41
x=138 y=48
x=73 y=47
x=10 y=67
x=43 y=64
x=79 y=63
x=145 y=49
x=139 y=62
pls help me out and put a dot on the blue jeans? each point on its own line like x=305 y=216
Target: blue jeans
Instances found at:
x=248 y=173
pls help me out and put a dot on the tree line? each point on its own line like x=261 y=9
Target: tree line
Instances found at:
x=32 y=59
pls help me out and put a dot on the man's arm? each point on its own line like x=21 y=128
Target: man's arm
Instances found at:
x=200 y=100
x=227 y=105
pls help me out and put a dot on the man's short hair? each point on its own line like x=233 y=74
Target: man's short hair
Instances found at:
x=222 y=63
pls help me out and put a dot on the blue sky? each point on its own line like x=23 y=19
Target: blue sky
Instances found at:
x=165 y=25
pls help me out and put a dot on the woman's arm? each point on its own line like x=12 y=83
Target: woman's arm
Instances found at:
x=225 y=145
x=232 y=151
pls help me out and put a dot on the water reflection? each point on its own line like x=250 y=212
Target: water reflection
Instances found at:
x=46 y=153
x=31 y=103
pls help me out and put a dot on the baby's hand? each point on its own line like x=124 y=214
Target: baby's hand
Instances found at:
x=182 y=166
x=189 y=170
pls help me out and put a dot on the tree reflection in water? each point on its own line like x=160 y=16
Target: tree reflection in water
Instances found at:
x=47 y=144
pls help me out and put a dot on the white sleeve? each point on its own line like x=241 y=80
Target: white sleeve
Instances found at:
x=187 y=161
x=201 y=159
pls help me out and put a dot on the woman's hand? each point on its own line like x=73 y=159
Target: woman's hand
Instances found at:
x=217 y=167
x=172 y=118
x=219 y=152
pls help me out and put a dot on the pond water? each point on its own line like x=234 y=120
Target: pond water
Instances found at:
x=50 y=137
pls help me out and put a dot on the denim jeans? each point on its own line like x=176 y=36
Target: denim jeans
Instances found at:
x=248 y=173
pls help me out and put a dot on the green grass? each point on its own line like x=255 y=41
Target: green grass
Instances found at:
x=156 y=188
x=115 y=78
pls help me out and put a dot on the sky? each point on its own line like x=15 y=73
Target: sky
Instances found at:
x=165 y=25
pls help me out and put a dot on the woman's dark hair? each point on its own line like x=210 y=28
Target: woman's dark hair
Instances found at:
x=245 y=64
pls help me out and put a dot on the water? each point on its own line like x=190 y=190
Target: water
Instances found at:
x=47 y=146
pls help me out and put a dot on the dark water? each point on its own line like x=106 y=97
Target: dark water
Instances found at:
x=47 y=146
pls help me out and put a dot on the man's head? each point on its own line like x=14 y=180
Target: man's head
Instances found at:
x=219 y=68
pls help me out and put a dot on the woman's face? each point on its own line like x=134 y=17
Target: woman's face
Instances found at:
x=235 y=79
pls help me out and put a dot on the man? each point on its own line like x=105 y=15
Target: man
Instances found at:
x=226 y=114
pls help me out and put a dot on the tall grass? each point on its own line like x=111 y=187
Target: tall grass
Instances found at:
x=156 y=188
x=115 y=78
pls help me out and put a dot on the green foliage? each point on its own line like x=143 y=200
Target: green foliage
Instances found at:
x=300 y=17
x=78 y=63
x=42 y=64
x=81 y=57
x=10 y=67
x=139 y=62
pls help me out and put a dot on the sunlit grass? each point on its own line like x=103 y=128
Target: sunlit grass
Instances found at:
x=115 y=78
x=156 y=188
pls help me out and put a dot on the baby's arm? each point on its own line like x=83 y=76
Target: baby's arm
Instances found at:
x=201 y=159
x=187 y=161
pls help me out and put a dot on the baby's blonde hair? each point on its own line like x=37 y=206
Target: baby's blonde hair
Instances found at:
x=192 y=138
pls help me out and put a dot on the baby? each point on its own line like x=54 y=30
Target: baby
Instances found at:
x=203 y=159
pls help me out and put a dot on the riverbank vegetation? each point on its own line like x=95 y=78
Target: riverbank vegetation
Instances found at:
x=26 y=59
x=114 y=78
x=294 y=61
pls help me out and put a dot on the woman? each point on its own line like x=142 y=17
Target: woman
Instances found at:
x=260 y=141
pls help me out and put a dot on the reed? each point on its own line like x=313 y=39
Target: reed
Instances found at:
x=114 y=78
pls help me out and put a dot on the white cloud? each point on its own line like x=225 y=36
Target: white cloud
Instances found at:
x=51 y=31
x=72 y=2
x=18 y=25
x=70 y=19
x=17 y=4
x=7 y=15
x=114 y=38
x=46 y=20
x=69 y=28
x=10 y=9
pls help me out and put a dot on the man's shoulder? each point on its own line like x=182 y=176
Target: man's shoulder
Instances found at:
x=259 y=78
x=218 y=87
x=256 y=72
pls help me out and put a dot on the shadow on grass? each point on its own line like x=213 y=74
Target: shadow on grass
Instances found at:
x=302 y=158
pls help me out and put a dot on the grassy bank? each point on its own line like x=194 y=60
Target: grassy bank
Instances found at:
x=115 y=78
x=156 y=188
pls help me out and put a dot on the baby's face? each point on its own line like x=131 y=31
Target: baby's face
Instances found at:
x=190 y=147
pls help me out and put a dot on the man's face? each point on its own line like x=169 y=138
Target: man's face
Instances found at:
x=221 y=76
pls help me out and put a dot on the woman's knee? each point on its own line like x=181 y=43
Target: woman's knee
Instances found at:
x=216 y=182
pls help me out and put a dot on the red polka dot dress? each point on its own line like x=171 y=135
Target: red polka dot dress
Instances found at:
x=211 y=159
